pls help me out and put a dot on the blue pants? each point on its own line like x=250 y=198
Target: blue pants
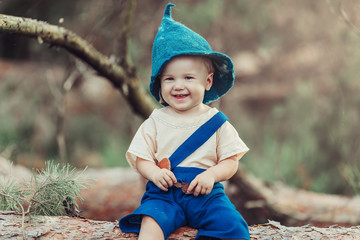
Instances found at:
x=214 y=215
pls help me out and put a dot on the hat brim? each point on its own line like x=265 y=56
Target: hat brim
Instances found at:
x=223 y=79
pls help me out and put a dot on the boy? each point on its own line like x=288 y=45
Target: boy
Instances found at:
x=186 y=75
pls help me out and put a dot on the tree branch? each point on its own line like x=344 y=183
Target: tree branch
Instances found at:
x=344 y=15
x=124 y=36
x=123 y=80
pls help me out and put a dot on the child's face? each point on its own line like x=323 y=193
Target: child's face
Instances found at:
x=183 y=83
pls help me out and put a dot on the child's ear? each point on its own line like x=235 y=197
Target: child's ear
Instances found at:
x=209 y=81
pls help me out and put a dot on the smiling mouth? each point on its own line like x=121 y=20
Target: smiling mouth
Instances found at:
x=180 y=96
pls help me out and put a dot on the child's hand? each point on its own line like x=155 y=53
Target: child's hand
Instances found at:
x=202 y=184
x=163 y=178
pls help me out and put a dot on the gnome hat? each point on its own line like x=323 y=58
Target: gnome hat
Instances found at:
x=174 y=39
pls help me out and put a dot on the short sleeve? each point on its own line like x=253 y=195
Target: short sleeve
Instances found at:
x=143 y=144
x=229 y=143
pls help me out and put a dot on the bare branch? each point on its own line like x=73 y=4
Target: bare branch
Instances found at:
x=59 y=94
x=125 y=29
x=122 y=79
x=346 y=18
x=339 y=10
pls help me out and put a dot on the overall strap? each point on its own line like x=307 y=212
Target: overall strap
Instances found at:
x=198 y=138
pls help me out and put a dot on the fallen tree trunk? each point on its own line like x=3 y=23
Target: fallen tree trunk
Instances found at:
x=77 y=228
x=113 y=193
x=116 y=192
x=259 y=201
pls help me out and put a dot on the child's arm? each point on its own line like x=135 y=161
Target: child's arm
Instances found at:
x=204 y=182
x=162 y=178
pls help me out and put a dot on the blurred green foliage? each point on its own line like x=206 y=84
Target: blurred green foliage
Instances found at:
x=308 y=141
x=115 y=146
x=200 y=16
x=91 y=133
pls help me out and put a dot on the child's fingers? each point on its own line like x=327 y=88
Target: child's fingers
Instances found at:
x=197 y=191
x=206 y=190
x=172 y=176
x=196 y=188
x=169 y=182
x=166 y=179
x=161 y=185
x=192 y=186
x=201 y=190
x=166 y=183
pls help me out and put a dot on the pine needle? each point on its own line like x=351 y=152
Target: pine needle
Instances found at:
x=11 y=199
x=8 y=193
x=55 y=190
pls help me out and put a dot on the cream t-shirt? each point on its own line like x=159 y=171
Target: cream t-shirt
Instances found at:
x=162 y=133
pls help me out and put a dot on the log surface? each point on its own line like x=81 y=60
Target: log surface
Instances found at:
x=258 y=201
x=76 y=228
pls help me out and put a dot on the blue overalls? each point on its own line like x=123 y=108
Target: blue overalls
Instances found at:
x=213 y=215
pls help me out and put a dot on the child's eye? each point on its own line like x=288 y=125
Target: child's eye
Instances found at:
x=168 y=79
x=189 y=77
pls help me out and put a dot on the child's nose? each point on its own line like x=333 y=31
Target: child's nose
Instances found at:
x=179 y=84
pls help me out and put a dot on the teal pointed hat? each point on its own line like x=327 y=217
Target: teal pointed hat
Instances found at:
x=174 y=39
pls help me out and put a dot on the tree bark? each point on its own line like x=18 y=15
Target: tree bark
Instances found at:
x=62 y=227
x=124 y=79
x=77 y=228
x=117 y=192
x=259 y=201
